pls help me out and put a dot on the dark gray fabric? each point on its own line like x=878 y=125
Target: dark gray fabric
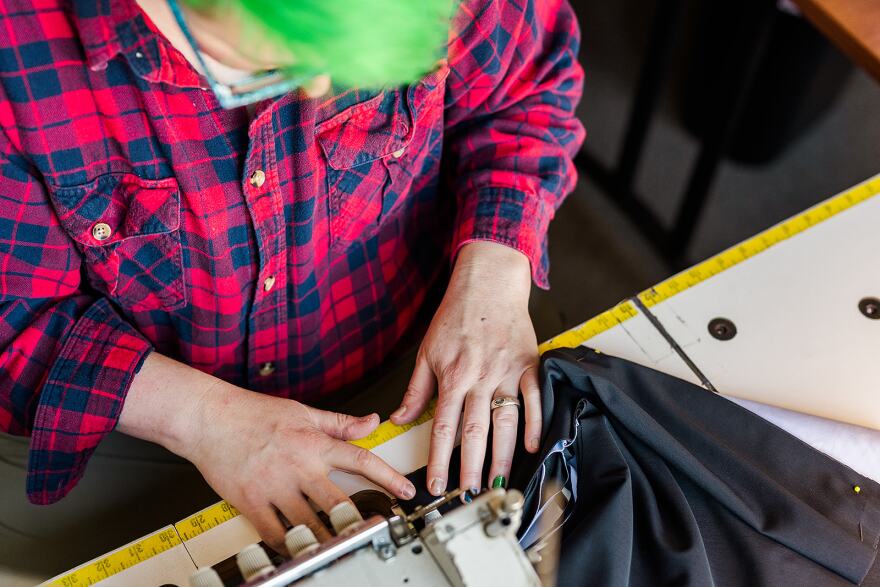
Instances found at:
x=679 y=486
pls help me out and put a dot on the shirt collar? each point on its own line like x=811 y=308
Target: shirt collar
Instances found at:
x=108 y=28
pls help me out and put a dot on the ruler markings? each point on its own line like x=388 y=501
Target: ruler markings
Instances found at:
x=204 y=520
x=118 y=560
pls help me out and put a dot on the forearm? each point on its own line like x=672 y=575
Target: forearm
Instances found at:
x=511 y=129
x=165 y=402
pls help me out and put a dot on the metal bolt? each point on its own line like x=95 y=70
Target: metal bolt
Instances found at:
x=722 y=329
x=870 y=308
x=386 y=551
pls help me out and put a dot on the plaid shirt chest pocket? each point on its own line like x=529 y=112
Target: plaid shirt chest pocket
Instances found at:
x=372 y=149
x=128 y=230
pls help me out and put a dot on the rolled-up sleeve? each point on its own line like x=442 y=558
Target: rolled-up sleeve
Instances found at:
x=511 y=130
x=67 y=357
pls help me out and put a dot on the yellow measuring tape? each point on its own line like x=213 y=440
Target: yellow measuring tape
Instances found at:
x=217 y=514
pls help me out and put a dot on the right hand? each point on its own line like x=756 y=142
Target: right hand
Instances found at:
x=265 y=455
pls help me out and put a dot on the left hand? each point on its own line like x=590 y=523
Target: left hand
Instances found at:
x=480 y=345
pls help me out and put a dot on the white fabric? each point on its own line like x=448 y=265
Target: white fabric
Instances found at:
x=854 y=446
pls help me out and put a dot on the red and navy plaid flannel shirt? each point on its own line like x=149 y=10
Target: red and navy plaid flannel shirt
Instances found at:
x=286 y=253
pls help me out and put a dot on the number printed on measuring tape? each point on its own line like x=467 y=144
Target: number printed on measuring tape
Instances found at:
x=118 y=560
x=204 y=520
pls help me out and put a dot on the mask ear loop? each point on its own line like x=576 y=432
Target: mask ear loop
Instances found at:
x=226 y=95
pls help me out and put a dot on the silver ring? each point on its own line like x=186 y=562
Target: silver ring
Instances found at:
x=500 y=402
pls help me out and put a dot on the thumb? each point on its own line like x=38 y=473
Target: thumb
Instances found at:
x=418 y=393
x=345 y=427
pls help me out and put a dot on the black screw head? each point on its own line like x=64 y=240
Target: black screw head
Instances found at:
x=870 y=308
x=722 y=329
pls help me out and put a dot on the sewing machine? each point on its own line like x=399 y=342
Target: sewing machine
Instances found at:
x=472 y=544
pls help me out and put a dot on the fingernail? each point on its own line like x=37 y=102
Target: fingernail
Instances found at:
x=408 y=491
x=468 y=495
x=399 y=412
x=533 y=443
x=437 y=485
x=499 y=481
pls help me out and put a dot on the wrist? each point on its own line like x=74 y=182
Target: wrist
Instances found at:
x=167 y=402
x=494 y=267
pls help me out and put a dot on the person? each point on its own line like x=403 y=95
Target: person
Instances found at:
x=199 y=276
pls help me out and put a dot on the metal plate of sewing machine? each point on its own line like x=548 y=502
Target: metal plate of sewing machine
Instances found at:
x=473 y=544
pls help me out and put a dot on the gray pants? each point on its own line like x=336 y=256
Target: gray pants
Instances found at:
x=130 y=488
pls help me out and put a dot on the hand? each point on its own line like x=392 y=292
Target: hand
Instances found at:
x=264 y=455
x=481 y=344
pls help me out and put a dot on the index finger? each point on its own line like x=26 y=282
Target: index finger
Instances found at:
x=360 y=461
x=443 y=433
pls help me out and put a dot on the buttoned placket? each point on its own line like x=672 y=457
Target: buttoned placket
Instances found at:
x=267 y=322
x=267 y=338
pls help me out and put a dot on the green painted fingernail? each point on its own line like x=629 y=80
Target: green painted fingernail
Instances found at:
x=499 y=481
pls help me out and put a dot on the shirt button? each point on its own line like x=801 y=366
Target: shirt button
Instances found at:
x=398 y=153
x=258 y=178
x=269 y=283
x=266 y=369
x=101 y=231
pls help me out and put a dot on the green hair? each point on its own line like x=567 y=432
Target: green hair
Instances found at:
x=359 y=43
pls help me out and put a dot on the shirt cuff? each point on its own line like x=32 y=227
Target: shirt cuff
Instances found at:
x=81 y=399
x=510 y=217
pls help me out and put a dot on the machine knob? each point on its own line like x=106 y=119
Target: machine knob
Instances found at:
x=513 y=501
x=299 y=540
x=253 y=561
x=343 y=515
x=205 y=577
